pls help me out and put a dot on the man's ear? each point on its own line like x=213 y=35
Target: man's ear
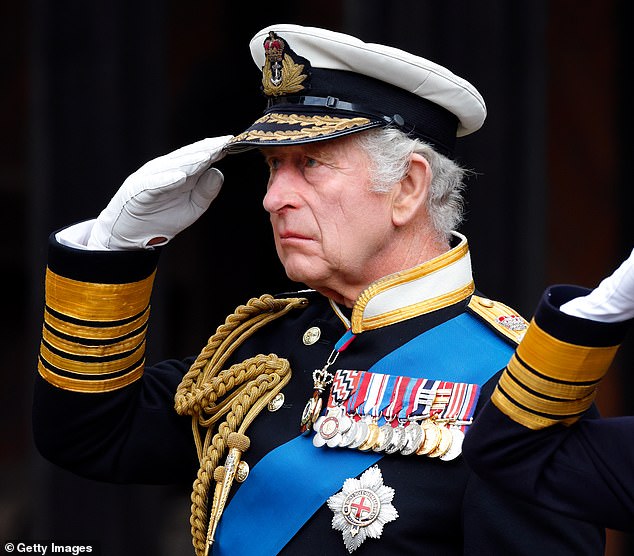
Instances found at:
x=410 y=194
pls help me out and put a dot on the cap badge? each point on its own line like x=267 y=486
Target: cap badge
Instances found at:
x=362 y=508
x=284 y=72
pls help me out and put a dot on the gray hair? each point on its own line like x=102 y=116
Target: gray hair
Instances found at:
x=389 y=151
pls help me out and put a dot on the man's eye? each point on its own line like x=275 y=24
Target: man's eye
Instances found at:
x=311 y=163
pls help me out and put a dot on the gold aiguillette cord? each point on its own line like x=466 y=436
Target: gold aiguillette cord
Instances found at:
x=238 y=442
x=224 y=475
x=208 y=393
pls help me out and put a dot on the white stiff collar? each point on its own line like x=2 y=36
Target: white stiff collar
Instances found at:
x=437 y=283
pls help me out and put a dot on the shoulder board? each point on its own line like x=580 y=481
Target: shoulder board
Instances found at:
x=500 y=317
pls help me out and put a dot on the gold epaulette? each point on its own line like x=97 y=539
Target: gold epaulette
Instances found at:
x=500 y=317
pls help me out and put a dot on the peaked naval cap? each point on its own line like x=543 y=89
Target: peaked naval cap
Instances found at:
x=320 y=84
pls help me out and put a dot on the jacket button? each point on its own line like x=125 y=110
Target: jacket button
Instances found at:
x=311 y=335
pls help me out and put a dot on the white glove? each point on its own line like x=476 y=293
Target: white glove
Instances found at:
x=611 y=301
x=162 y=198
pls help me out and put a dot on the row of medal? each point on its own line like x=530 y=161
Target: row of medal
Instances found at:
x=428 y=437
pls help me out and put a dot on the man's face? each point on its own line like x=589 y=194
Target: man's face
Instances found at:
x=331 y=233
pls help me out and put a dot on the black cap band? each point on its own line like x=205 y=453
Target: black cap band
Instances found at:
x=376 y=100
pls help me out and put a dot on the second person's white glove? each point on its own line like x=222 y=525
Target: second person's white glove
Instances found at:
x=611 y=301
x=162 y=198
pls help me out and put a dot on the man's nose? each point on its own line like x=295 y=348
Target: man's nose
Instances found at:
x=281 y=190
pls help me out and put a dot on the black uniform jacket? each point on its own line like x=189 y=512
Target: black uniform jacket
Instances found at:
x=100 y=412
x=531 y=439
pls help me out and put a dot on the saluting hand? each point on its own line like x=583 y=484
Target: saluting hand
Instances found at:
x=162 y=198
x=611 y=301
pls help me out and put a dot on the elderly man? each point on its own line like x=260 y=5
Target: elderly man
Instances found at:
x=330 y=420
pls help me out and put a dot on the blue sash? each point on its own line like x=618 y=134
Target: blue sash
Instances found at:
x=289 y=484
